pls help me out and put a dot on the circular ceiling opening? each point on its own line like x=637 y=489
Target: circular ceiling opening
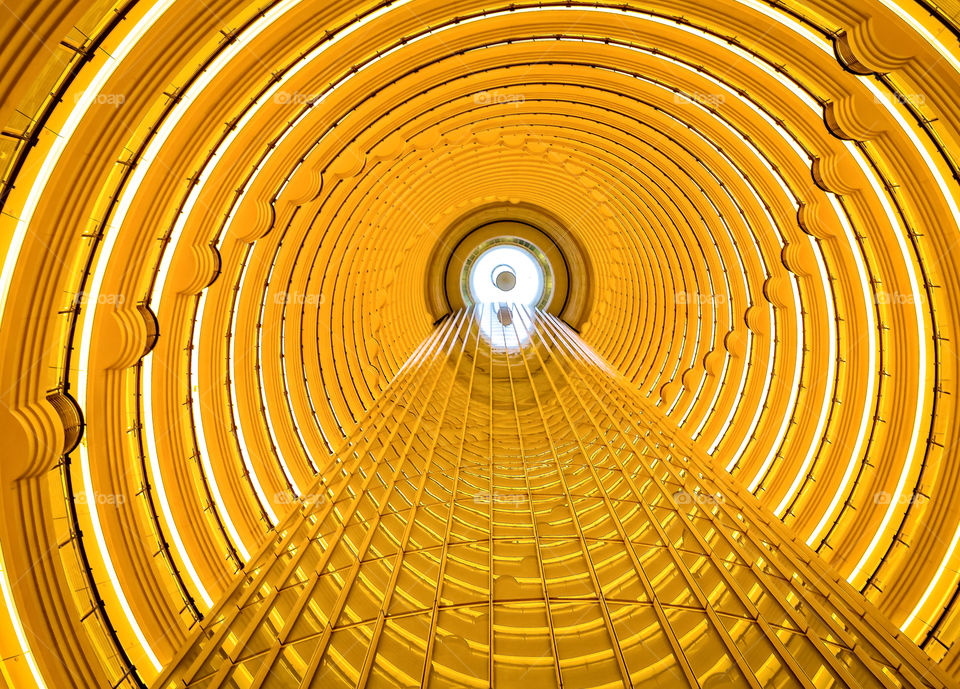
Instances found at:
x=563 y=281
x=507 y=270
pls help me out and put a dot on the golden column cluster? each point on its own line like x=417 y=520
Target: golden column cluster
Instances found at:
x=232 y=231
x=511 y=514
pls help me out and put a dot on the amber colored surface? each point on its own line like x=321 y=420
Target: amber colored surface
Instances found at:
x=511 y=514
x=230 y=229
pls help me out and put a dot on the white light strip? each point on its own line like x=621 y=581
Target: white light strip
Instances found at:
x=200 y=312
x=18 y=625
x=202 y=438
x=930 y=38
x=158 y=483
x=20 y=235
x=165 y=131
x=297 y=425
x=768 y=381
x=828 y=290
x=112 y=231
x=716 y=393
x=757 y=197
x=825 y=405
x=869 y=399
x=899 y=232
x=241 y=440
x=215 y=69
x=739 y=397
x=948 y=196
x=263 y=383
x=696 y=349
x=116 y=56
x=713 y=334
x=933 y=582
x=794 y=288
x=90 y=491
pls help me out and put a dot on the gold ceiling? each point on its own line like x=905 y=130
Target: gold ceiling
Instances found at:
x=226 y=224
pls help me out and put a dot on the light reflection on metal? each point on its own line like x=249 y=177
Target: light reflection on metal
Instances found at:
x=518 y=516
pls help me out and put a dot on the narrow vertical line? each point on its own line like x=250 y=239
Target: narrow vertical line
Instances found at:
x=523 y=460
x=472 y=316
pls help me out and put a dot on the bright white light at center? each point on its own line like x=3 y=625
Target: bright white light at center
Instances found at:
x=529 y=288
x=500 y=323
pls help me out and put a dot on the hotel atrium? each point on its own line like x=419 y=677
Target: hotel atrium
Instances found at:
x=542 y=343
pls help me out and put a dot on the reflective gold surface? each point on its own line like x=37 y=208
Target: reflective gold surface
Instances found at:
x=513 y=515
x=227 y=225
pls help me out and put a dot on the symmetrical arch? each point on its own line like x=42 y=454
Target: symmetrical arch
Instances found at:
x=222 y=227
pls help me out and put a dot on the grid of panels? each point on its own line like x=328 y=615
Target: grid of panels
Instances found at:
x=509 y=513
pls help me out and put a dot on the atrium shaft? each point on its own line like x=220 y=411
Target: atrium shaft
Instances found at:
x=511 y=513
